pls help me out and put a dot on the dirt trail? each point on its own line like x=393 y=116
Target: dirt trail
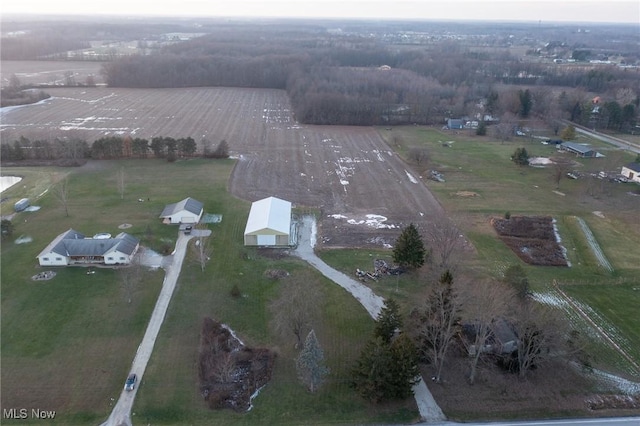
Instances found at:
x=427 y=406
x=595 y=247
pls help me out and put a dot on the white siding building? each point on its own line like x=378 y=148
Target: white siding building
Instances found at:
x=188 y=210
x=632 y=172
x=73 y=248
x=269 y=223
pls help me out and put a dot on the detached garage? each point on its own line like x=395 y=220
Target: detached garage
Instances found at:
x=269 y=223
x=188 y=210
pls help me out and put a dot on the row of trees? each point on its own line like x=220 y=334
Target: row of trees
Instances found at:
x=108 y=147
x=334 y=81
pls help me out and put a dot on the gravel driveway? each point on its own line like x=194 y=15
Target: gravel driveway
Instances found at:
x=427 y=406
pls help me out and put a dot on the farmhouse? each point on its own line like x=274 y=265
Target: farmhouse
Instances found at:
x=269 y=223
x=501 y=339
x=73 y=248
x=188 y=210
x=579 y=150
x=631 y=171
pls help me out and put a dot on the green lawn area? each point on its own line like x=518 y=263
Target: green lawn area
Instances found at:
x=482 y=165
x=67 y=344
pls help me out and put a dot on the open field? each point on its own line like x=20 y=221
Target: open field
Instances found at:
x=49 y=72
x=347 y=173
x=365 y=192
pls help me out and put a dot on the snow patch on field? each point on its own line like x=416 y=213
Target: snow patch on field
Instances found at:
x=378 y=155
x=411 y=178
x=372 y=220
x=625 y=386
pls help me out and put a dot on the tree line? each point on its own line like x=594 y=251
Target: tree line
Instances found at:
x=353 y=80
x=76 y=151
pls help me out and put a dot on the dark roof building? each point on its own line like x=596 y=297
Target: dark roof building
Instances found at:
x=579 y=149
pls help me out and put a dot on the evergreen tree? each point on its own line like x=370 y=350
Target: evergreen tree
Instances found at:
x=516 y=276
x=372 y=375
x=520 y=157
x=406 y=373
x=409 y=249
x=388 y=322
x=310 y=363
x=482 y=129
x=526 y=103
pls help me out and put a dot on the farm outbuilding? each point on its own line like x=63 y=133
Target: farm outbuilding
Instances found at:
x=73 y=248
x=269 y=223
x=188 y=210
x=579 y=150
x=631 y=171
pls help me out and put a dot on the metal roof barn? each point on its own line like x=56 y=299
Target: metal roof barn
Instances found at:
x=269 y=223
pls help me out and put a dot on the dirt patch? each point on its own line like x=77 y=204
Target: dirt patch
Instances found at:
x=532 y=238
x=552 y=391
x=44 y=276
x=276 y=274
x=230 y=373
x=125 y=226
x=467 y=194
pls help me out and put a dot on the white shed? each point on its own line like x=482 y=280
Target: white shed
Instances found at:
x=631 y=171
x=188 y=210
x=269 y=223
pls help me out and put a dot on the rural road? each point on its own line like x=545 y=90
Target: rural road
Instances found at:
x=121 y=413
x=620 y=143
x=427 y=406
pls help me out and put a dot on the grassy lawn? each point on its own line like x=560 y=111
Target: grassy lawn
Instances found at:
x=68 y=343
x=482 y=166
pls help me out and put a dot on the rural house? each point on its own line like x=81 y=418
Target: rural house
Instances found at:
x=631 y=171
x=579 y=150
x=188 y=210
x=502 y=339
x=269 y=223
x=73 y=248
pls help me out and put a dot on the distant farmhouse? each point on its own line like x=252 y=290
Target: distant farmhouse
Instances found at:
x=73 y=248
x=188 y=210
x=579 y=150
x=631 y=171
x=269 y=223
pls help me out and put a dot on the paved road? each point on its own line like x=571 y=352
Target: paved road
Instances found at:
x=121 y=414
x=427 y=406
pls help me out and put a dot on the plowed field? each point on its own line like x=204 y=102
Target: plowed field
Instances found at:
x=365 y=192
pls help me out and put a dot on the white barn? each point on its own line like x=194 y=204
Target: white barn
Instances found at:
x=269 y=223
x=73 y=248
x=188 y=210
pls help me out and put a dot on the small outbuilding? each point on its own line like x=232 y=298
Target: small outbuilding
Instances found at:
x=455 y=124
x=269 y=223
x=631 y=171
x=188 y=210
x=579 y=150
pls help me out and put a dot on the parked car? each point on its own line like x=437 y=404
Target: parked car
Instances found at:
x=130 y=384
x=187 y=229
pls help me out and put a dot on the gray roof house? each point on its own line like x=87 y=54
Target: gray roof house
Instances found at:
x=188 y=210
x=73 y=248
x=579 y=149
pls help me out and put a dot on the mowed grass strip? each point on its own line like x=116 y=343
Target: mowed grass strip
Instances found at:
x=68 y=343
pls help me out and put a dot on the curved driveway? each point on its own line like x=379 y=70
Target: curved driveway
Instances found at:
x=427 y=406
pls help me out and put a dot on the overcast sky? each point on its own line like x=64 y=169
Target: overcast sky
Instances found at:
x=624 y=11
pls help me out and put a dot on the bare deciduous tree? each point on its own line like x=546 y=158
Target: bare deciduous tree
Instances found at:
x=61 y=192
x=539 y=331
x=297 y=310
x=434 y=321
x=561 y=167
x=446 y=242
x=130 y=276
x=201 y=247
x=485 y=302
x=121 y=182
x=419 y=155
